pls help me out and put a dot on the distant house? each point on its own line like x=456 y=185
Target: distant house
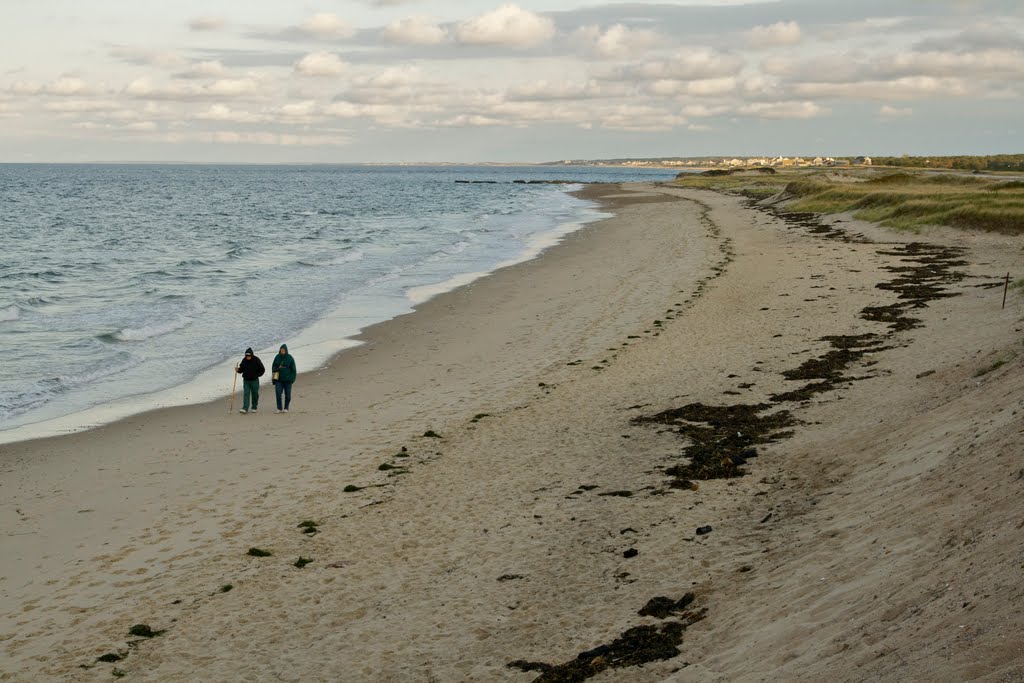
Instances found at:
x=818 y=161
x=862 y=161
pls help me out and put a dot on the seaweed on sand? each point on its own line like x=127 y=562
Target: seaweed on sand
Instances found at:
x=718 y=437
x=634 y=647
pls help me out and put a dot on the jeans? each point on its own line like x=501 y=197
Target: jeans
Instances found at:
x=286 y=388
x=250 y=389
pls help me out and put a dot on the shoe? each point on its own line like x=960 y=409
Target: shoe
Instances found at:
x=277 y=411
x=243 y=411
x=285 y=410
x=253 y=410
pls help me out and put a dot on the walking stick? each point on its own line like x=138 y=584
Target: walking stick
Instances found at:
x=234 y=383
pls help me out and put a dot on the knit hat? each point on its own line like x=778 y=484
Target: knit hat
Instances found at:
x=248 y=351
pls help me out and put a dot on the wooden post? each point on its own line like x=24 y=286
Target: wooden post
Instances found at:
x=1005 y=288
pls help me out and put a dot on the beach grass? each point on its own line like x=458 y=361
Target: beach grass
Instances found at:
x=907 y=201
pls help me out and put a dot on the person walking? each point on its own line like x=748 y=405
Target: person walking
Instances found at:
x=251 y=369
x=284 y=376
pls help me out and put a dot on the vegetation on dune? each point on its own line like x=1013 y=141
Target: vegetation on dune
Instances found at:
x=899 y=200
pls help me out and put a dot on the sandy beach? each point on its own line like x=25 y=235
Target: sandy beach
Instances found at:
x=874 y=533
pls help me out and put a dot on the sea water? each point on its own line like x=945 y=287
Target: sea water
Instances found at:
x=137 y=286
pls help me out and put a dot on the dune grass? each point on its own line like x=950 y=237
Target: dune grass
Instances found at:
x=899 y=200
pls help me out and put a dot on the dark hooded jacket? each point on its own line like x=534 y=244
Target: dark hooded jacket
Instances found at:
x=285 y=365
x=252 y=368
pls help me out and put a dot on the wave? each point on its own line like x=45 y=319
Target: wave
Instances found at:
x=9 y=313
x=137 y=334
x=42 y=391
x=335 y=260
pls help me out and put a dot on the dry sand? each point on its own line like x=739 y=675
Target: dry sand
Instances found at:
x=892 y=551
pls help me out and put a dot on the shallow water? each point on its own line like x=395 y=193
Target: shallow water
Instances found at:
x=118 y=281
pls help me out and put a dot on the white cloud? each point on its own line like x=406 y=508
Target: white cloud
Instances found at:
x=221 y=112
x=472 y=121
x=617 y=42
x=141 y=126
x=299 y=112
x=639 y=118
x=210 y=69
x=81 y=106
x=783 y=110
x=566 y=90
x=888 y=112
x=144 y=88
x=327 y=25
x=688 y=65
x=508 y=25
x=66 y=86
x=164 y=59
x=778 y=34
x=700 y=111
x=982 y=64
x=705 y=87
x=207 y=23
x=910 y=88
x=415 y=30
x=320 y=64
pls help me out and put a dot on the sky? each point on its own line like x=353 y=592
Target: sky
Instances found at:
x=390 y=81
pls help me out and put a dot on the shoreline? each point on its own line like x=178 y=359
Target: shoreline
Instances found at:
x=541 y=517
x=326 y=338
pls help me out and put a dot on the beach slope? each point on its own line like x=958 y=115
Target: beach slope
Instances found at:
x=499 y=478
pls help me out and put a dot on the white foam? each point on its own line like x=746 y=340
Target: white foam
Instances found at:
x=9 y=313
x=135 y=334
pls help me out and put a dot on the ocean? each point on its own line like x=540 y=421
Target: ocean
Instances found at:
x=136 y=286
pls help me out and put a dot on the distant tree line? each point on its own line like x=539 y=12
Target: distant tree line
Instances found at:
x=994 y=162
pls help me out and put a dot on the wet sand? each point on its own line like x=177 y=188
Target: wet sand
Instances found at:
x=850 y=544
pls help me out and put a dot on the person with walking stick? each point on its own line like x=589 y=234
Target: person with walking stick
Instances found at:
x=251 y=369
x=284 y=375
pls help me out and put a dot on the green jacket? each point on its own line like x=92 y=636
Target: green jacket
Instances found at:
x=285 y=365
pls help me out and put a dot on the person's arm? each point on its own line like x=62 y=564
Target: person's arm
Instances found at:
x=260 y=370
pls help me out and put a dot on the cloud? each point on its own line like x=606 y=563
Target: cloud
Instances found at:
x=508 y=25
x=617 y=42
x=198 y=70
x=778 y=34
x=144 y=88
x=783 y=110
x=686 y=65
x=705 y=87
x=639 y=118
x=81 y=106
x=221 y=112
x=65 y=86
x=325 y=25
x=982 y=64
x=980 y=36
x=320 y=64
x=887 y=112
x=415 y=30
x=207 y=23
x=700 y=111
x=165 y=59
x=566 y=90
x=908 y=88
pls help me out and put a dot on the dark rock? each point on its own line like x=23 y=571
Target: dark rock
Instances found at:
x=632 y=552
x=706 y=529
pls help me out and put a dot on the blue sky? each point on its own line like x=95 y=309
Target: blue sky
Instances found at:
x=465 y=81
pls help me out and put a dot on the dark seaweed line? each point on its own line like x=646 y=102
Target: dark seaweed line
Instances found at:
x=721 y=439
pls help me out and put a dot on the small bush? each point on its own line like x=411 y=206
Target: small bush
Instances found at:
x=258 y=552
